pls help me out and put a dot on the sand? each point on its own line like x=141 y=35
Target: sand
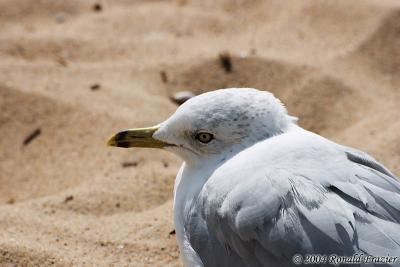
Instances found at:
x=72 y=73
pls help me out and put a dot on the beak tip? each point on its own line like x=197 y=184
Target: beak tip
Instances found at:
x=112 y=142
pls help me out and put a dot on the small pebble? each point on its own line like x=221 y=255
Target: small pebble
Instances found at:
x=226 y=61
x=97 y=7
x=68 y=199
x=62 y=61
x=95 y=87
x=181 y=97
x=33 y=135
x=243 y=54
x=11 y=200
x=164 y=77
x=59 y=17
x=129 y=164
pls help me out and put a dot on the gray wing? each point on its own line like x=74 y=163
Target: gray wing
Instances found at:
x=343 y=203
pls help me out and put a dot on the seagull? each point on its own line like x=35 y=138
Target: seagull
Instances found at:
x=256 y=189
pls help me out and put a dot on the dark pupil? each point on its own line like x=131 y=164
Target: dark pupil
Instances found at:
x=204 y=137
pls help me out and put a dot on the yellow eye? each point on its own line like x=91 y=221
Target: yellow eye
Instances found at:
x=204 y=137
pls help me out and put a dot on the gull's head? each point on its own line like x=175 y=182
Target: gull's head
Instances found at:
x=213 y=126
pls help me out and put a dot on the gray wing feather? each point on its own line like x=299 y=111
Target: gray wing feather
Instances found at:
x=351 y=204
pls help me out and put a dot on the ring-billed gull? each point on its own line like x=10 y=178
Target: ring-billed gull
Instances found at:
x=255 y=189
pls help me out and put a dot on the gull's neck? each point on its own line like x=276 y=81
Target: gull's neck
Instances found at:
x=188 y=184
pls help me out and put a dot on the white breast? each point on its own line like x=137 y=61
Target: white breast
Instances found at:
x=187 y=186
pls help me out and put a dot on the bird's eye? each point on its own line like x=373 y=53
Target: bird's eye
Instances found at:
x=204 y=137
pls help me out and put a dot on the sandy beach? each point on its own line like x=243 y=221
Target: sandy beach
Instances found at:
x=74 y=72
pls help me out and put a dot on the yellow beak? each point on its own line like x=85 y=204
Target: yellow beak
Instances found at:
x=140 y=137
